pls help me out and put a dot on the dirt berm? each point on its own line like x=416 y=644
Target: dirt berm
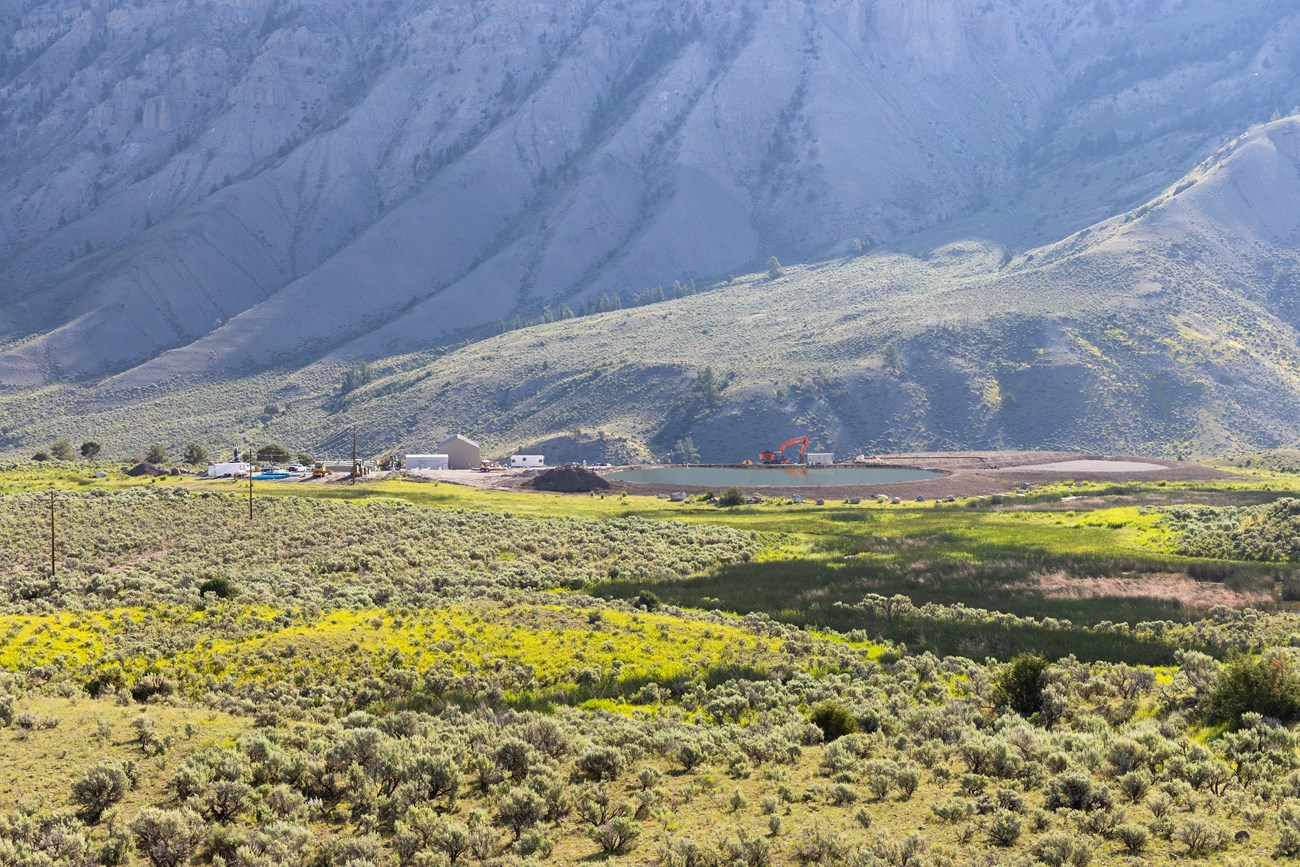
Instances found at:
x=570 y=480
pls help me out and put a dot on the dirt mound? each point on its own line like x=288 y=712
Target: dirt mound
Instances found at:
x=570 y=479
x=144 y=468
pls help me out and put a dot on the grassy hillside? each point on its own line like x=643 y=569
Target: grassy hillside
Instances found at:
x=1170 y=329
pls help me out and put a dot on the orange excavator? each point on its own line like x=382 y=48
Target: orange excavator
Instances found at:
x=778 y=456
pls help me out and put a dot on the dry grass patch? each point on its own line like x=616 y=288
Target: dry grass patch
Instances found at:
x=39 y=765
x=1164 y=586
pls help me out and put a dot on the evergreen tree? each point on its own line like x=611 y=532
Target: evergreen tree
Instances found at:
x=686 y=451
x=707 y=390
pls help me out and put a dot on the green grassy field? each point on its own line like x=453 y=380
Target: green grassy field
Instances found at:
x=818 y=559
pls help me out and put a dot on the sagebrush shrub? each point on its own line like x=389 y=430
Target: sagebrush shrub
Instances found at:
x=101 y=787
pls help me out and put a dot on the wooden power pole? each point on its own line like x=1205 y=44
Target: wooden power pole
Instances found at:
x=250 y=483
x=356 y=471
x=51 y=532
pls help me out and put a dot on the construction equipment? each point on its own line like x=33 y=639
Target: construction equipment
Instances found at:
x=318 y=471
x=778 y=456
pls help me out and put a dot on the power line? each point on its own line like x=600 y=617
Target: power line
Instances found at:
x=335 y=441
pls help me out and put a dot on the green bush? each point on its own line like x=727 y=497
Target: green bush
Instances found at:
x=648 y=600
x=1019 y=685
x=1267 y=684
x=833 y=719
x=1077 y=790
x=731 y=497
x=219 y=586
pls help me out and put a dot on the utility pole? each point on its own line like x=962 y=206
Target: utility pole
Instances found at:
x=51 y=533
x=355 y=468
x=250 y=483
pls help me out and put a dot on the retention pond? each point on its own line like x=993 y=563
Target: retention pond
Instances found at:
x=772 y=477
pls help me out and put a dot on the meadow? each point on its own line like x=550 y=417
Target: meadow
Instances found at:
x=403 y=673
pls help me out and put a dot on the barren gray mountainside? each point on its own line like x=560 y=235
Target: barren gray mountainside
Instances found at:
x=193 y=189
x=1170 y=328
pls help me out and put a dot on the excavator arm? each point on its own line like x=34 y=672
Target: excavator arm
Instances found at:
x=778 y=456
x=803 y=446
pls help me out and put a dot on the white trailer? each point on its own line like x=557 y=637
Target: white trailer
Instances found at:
x=527 y=461
x=428 y=462
x=820 y=459
x=229 y=468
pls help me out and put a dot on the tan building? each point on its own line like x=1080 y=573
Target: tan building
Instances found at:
x=462 y=453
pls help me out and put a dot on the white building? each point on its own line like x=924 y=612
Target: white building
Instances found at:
x=823 y=459
x=230 y=468
x=527 y=460
x=428 y=462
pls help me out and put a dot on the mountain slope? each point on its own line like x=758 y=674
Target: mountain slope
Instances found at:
x=1172 y=327
x=1173 y=324
x=211 y=190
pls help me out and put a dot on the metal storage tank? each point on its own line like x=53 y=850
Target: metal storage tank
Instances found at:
x=462 y=453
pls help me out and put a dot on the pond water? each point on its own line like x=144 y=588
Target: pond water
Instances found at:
x=771 y=477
